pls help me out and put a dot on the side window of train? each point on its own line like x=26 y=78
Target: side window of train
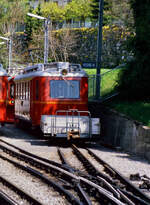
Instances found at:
x=22 y=91
x=29 y=90
x=65 y=89
x=16 y=92
x=36 y=89
x=26 y=90
x=12 y=91
x=19 y=91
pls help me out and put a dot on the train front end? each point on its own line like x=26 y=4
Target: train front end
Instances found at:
x=69 y=96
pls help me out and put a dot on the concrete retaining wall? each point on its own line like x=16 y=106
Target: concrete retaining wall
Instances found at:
x=119 y=130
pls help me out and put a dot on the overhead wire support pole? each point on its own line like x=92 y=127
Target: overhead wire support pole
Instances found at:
x=99 y=50
x=46 y=42
x=10 y=56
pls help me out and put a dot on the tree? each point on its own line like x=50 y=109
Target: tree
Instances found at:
x=53 y=11
x=62 y=44
x=33 y=29
x=12 y=14
x=37 y=23
x=11 y=17
x=78 y=10
x=134 y=81
x=115 y=11
x=28 y=28
x=107 y=17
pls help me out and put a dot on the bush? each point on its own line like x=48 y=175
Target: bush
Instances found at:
x=134 y=82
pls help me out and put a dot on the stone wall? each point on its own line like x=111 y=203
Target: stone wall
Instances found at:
x=120 y=131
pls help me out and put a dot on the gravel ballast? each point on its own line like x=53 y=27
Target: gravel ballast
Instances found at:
x=125 y=163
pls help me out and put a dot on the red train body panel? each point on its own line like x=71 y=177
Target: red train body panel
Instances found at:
x=43 y=104
x=3 y=97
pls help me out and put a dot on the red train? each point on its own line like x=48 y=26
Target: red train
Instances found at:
x=6 y=98
x=54 y=97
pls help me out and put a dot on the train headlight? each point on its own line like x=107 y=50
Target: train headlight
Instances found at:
x=64 y=71
x=11 y=102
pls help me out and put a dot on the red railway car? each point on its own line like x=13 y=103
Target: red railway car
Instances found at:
x=55 y=97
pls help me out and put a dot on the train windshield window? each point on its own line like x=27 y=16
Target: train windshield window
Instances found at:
x=64 y=89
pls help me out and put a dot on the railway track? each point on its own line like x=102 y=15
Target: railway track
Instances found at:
x=6 y=200
x=77 y=186
x=23 y=196
x=68 y=179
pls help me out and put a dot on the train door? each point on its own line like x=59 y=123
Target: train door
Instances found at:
x=3 y=89
x=27 y=99
x=35 y=104
x=10 y=101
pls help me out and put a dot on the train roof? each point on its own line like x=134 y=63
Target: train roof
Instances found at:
x=56 y=69
x=2 y=71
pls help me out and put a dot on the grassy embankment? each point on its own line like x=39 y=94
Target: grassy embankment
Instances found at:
x=137 y=110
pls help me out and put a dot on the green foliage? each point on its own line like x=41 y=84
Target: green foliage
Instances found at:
x=80 y=44
x=12 y=15
x=85 y=44
x=108 y=82
x=95 y=9
x=78 y=9
x=52 y=10
x=137 y=110
x=37 y=23
x=134 y=82
x=28 y=27
x=115 y=11
x=109 y=79
x=4 y=55
x=107 y=17
x=32 y=25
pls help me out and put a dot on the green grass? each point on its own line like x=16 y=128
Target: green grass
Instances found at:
x=93 y=71
x=108 y=81
x=139 y=111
